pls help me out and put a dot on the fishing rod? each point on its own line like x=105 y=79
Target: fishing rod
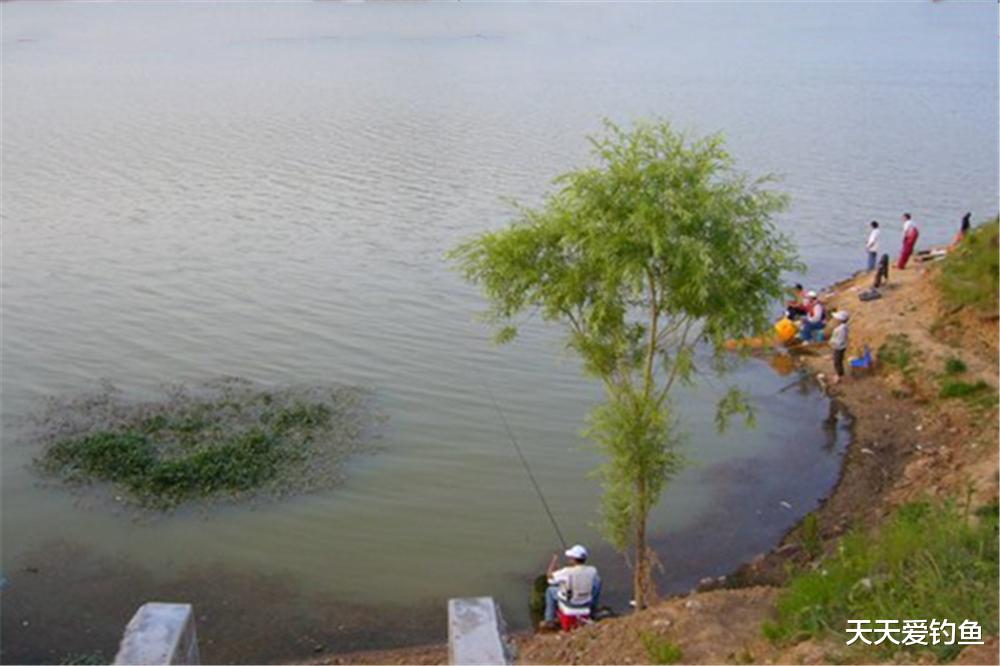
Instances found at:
x=524 y=462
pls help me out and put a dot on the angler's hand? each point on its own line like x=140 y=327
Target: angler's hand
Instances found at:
x=553 y=563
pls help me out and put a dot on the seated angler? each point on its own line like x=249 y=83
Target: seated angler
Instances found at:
x=815 y=319
x=577 y=585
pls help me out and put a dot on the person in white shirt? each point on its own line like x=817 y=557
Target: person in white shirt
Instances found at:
x=577 y=584
x=872 y=246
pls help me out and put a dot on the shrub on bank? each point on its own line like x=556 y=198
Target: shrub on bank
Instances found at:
x=928 y=561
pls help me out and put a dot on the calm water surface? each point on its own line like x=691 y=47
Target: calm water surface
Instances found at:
x=266 y=190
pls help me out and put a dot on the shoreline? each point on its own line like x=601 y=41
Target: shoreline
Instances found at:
x=900 y=439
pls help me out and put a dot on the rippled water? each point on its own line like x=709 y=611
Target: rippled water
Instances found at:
x=267 y=190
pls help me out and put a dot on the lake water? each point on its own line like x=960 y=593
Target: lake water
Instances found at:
x=193 y=190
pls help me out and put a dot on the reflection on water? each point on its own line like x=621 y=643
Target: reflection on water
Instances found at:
x=267 y=191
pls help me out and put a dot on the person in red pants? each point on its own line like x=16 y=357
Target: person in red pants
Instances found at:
x=910 y=235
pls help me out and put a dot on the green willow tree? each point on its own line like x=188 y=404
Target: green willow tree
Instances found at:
x=659 y=247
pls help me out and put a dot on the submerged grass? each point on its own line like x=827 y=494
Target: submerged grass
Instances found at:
x=225 y=439
x=928 y=561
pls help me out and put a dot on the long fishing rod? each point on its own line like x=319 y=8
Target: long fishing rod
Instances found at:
x=524 y=461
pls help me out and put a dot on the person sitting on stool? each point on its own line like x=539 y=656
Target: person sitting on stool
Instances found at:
x=577 y=585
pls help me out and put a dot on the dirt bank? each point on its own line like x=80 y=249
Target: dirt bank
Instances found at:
x=908 y=444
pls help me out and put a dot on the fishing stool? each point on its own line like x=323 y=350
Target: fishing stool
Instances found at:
x=570 y=618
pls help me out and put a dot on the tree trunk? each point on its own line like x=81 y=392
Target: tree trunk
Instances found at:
x=641 y=563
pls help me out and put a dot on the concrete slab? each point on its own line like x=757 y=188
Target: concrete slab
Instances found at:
x=477 y=633
x=160 y=634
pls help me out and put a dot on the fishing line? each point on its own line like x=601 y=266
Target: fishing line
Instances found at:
x=524 y=462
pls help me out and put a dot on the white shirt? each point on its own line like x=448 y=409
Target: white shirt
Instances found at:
x=872 y=243
x=816 y=313
x=907 y=225
x=838 y=340
x=576 y=583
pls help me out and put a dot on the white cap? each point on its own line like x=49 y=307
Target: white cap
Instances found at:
x=811 y=294
x=577 y=552
x=840 y=315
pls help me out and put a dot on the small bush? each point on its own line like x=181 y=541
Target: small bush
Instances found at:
x=536 y=604
x=971 y=274
x=660 y=650
x=954 y=366
x=927 y=561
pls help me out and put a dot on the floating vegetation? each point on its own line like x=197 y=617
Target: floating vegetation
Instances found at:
x=228 y=439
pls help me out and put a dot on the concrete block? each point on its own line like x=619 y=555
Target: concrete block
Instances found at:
x=477 y=633
x=160 y=634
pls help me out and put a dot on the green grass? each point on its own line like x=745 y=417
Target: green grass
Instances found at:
x=970 y=275
x=954 y=366
x=978 y=395
x=897 y=352
x=812 y=542
x=927 y=561
x=225 y=442
x=958 y=389
x=660 y=650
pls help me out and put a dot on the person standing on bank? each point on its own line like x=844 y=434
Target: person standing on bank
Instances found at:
x=872 y=246
x=838 y=342
x=910 y=235
x=963 y=231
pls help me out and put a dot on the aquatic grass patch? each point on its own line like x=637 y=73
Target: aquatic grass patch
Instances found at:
x=225 y=439
x=927 y=561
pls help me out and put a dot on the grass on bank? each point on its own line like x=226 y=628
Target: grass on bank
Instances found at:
x=970 y=275
x=898 y=352
x=928 y=561
x=955 y=366
x=227 y=440
x=660 y=650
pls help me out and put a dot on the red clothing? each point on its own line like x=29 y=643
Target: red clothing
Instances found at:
x=909 y=242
